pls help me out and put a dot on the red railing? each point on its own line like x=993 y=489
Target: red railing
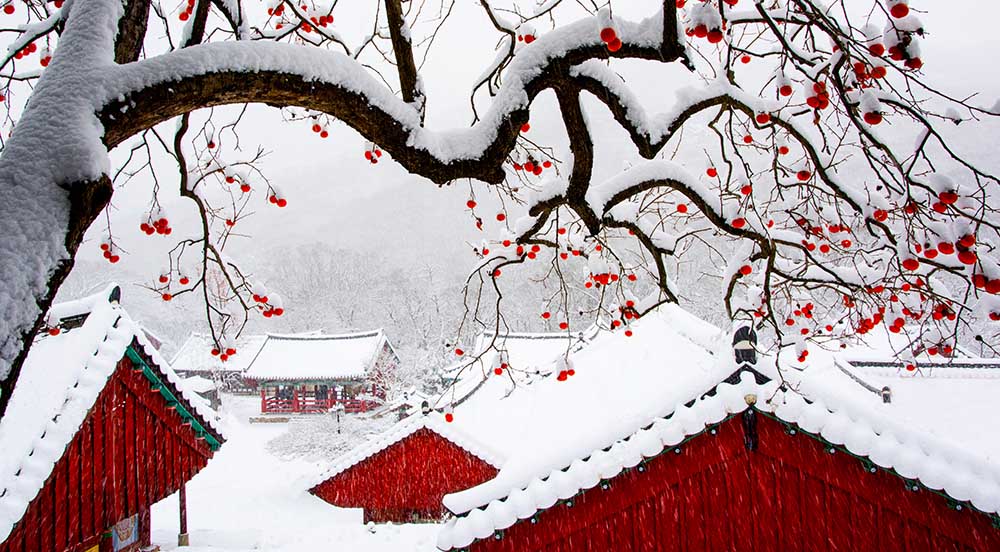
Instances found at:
x=274 y=405
x=309 y=404
x=353 y=406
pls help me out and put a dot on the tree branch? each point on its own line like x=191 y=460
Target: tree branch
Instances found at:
x=400 y=35
x=370 y=112
x=131 y=31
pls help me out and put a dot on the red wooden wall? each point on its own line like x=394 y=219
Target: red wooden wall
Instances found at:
x=789 y=494
x=130 y=452
x=407 y=480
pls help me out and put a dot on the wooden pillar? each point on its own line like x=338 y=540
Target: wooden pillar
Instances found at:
x=295 y=398
x=182 y=538
x=145 y=523
x=263 y=399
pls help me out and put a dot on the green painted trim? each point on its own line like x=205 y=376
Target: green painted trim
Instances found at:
x=157 y=385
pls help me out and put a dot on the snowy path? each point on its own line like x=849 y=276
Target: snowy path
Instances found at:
x=247 y=499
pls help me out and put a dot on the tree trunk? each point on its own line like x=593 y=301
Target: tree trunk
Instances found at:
x=86 y=201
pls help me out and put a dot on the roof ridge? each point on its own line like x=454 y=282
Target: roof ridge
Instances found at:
x=110 y=294
x=177 y=354
x=206 y=335
x=191 y=343
x=325 y=337
x=533 y=335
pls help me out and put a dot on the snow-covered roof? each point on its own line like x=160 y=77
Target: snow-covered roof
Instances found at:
x=913 y=343
x=528 y=351
x=196 y=354
x=527 y=355
x=957 y=367
x=940 y=432
x=410 y=401
x=316 y=357
x=198 y=384
x=154 y=339
x=955 y=402
x=432 y=421
x=59 y=383
x=620 y=383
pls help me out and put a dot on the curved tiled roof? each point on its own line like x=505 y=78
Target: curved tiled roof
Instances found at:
x=529 y=356
x=317 y=356
x=937 y=464
x=195 y=355
x=632 y=398
x=59 y=383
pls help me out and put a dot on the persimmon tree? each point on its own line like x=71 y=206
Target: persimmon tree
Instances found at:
x=823 y=179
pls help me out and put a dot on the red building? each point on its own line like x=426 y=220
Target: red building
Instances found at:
x=732 y=472
x=98 y=429
x=402 y=474
x=312 y=373
x=818 y=460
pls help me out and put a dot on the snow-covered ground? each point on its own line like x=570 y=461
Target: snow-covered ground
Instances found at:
x=248 y=498
x=317 y=439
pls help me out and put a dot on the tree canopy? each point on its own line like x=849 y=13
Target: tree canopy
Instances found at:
x=811 y=157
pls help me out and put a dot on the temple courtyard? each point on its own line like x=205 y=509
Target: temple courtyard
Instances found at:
x=248 y=498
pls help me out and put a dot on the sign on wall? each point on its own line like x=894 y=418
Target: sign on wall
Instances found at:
x=125 y=533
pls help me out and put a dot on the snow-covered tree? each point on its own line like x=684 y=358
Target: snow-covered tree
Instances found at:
x=810 y=155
